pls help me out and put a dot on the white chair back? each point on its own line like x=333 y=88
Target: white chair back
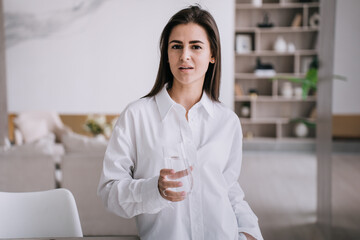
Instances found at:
x=44 y=214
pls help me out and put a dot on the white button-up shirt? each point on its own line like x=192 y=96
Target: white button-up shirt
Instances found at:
x=212 y=136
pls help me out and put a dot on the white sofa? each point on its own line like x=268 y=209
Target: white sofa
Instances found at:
x=31 y=166
x=81 y=174
x=26 y=174
x=81 y=168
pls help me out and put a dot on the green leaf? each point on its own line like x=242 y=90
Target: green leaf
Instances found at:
x=312 y=76
x=305 y=90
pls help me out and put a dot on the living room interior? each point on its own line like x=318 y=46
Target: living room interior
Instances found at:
x=69 y=68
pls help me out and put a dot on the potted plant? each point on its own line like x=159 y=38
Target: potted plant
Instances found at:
x=97 y=125
x=309 y=82
x=302 y=126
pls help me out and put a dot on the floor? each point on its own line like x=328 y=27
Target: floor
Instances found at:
x=281 y=189
x=346 y=196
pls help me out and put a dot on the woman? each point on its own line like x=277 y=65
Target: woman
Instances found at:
x=183 y=107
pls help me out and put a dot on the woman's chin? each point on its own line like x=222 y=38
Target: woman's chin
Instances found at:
x=188 y=82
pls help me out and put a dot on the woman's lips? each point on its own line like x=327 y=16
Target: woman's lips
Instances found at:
x=185 y=68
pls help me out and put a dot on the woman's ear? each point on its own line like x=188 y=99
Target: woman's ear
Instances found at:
x=212 y=60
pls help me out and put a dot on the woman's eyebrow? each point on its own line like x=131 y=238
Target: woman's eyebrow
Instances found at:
x=191 y=42
x=176 y=41
x=196 y=41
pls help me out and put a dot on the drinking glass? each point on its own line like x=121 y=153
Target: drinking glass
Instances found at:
x=176 y=158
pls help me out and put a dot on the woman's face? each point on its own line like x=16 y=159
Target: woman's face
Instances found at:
x=189 y=54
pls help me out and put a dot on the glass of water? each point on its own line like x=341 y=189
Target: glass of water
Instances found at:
x=176 y=158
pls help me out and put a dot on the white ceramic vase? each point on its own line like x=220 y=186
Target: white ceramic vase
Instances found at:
x=280 y=45
x=301 y=130
x=291 y=47
x=257 y=3
x=286 y=90
x=298 y=92
x=245 y=111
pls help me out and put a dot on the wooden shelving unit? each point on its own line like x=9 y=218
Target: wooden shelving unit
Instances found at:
x=277 y=5
x=277 y=29
x=271 y=114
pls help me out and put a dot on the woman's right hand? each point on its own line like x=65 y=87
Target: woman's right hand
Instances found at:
x=164 y=184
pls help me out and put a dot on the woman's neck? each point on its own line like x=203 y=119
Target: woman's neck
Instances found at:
x=186 y=95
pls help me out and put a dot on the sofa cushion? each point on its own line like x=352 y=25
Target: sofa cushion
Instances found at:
x=34 y=125
x=76 y=143
x=32 y=129
x=44 y=146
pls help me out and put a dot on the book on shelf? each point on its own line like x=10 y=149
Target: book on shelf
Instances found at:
x=297 y=20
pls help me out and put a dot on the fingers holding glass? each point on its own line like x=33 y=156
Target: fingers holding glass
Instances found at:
x=179 y=174
x=164 y=184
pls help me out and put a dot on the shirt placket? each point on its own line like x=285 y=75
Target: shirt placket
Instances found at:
x=195 y=198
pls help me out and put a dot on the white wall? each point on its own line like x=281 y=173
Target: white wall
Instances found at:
x=81 y=56
x=346 y=95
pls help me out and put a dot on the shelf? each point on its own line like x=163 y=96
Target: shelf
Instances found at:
x=271 y=114
x=264 y=120
x=267 y=120
x=253 y=76
x=276 y=54
x=248 y=6
x=284 y=139
x=294 y=139
x=276 y=29
x=260 y=139
x=273 y=99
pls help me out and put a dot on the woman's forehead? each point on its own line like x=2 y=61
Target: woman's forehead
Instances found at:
x=188 y=32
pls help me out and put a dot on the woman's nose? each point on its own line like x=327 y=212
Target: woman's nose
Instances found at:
x=185 y=55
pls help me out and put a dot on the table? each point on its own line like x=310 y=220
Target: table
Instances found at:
x=85 y=238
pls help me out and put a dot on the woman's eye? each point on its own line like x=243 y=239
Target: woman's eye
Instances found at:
x=196 y=47
x=177 y=46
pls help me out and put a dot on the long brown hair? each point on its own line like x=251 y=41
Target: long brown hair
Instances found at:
x=192 y=14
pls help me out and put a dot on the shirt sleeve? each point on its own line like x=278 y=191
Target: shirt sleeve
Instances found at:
x=120 y=192
x=246 y=219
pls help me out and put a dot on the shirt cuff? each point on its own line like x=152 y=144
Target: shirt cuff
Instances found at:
x=152 y=201
x=255 y=233
x=242 y=236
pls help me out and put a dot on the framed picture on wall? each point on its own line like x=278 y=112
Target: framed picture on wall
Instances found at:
x=243 y=43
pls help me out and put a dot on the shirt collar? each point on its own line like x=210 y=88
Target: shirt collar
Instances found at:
x=207 y=103
x=165 y=103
